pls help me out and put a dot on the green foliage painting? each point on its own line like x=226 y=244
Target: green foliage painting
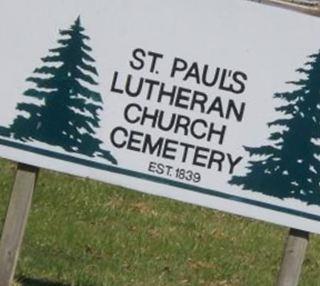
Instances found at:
x=289 y=167
x=65 y=109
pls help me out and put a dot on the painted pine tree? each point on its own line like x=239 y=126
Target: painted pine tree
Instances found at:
x=289 y=167
x=65 y=108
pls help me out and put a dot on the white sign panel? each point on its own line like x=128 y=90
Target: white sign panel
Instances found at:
x=211 y=102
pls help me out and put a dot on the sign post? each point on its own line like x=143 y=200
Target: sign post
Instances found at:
x=293 y=257
x=16 y=220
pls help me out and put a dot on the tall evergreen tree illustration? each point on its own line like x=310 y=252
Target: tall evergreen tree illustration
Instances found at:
x=289 y=167
x=66 y=109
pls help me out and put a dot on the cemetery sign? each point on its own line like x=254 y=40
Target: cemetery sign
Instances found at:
x=214 y=103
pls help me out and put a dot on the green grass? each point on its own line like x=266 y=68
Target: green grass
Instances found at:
x=85 y=233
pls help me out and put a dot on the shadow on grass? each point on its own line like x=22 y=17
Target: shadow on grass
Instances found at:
x=23 y=281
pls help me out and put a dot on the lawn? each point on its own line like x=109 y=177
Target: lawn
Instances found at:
x=85 y=233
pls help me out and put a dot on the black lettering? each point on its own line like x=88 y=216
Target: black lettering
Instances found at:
x=233 y=163
x=193 y=72
x=218 y=132
x=169 y=169
x=160 y=169
x=181 y=99
x=138 y=55
x=171 y=94
x=232 y=109
x=239 y=78
x=151 y=84
x=152 y=116
x=114 y=82
x=225 y=75
x=113 y=135
x=196 y=122
x=216 y=106
x=155 y=57
x=150 y=148
x=200 y=153
x=216 y=157
x=169 y=149
x=161 y=121
x=186 y=150
x=152 y=167
x=134 y=139
x=200 y=99
x=129 y=86
x=182 y=122
x=126 y=113
x=179 y=65
x=205 y=76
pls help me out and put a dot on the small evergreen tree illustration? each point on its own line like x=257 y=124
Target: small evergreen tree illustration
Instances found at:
x=289 y=167
x=65 y=111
